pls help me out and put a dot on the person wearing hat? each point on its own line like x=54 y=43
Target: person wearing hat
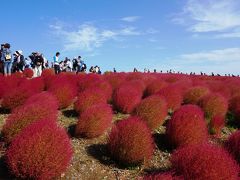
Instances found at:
x=7 y=59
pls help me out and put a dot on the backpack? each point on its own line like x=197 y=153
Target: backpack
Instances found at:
x=8 y=57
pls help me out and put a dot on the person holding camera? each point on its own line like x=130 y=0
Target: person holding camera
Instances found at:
x=7 y=59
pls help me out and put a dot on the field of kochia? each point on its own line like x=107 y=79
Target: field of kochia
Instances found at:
x=119 y=126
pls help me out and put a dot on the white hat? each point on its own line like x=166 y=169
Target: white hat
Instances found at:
x=19 y=52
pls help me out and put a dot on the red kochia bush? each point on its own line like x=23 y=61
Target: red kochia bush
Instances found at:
x=16 y=97
x=41 y=151
x=44 y=98
x=25 y=115
x=173 y=96
x=126 y=98
x=214 y=105
x=64 y=93
x=187 y=126
x=115 y=79
x=216 y=124
x=28 y=73
x=194 y=94
x=130 y=142
x=155 y=86
x=88 y=98
x=233 y=145
x=234 y=107
x=94 y=121
x=204 y=162
x=153 y=110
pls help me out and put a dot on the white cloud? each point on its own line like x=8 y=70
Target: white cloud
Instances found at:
x=222 y=56
x=218 y=61
x=87 y=37
x=129 y=31
x=130 y=18
x=219 y=16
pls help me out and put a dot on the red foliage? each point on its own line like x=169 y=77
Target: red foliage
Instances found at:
x=48 y=72
x=28 y=73
x=130 y=142
x=25 y=115
x=173 y=96
x=153 y=110
x=41 y=151
x=234 y=107
x=36 y=85
x=194 y=94
x=86 y=81
x=94 y=121
x=216 y=124
x=126 y=98
x=214 y=105
x=115 y=79
x=64 y=92
x=187 y=126
x=233 y=145
x=89 y=98
x=44 y=98
x=16 y=97
x=8 y=83
x=204 y=162
x=155 y=86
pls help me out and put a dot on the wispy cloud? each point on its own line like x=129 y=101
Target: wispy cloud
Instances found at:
x=87 y=37
x=130 y=18
x=222 y=55
x=219 y=16
x=218 y=61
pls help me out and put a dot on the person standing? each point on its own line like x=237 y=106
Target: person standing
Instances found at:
x=7 y=59
x=56 y=63
x=20 y=61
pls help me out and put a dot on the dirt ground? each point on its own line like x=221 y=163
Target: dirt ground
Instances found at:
x=91 y=160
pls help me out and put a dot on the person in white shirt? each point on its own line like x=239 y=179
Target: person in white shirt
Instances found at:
x=56 y=63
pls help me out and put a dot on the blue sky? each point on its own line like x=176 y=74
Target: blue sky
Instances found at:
x=186 y=35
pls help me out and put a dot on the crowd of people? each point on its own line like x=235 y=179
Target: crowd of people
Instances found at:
x=16 y=62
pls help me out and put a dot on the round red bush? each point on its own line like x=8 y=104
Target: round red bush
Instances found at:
x=214 y=105
x=41 y=151
x=126 y=98
x=89 y=98
x=130 y=142
x=25 y=115
x=234 y=108
x=233 y=145
x=28 y=73
x=194 y=94
x=173 y=96
x=44 y=98
x=187 y=126
x=87 y=81
x=204 y=162
x=115 y=79
x=16 y=97
x=48 y=72
x=216 y=124
x=153 y=110
x=94 y=121
x=65 y=93
x=155 y=86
